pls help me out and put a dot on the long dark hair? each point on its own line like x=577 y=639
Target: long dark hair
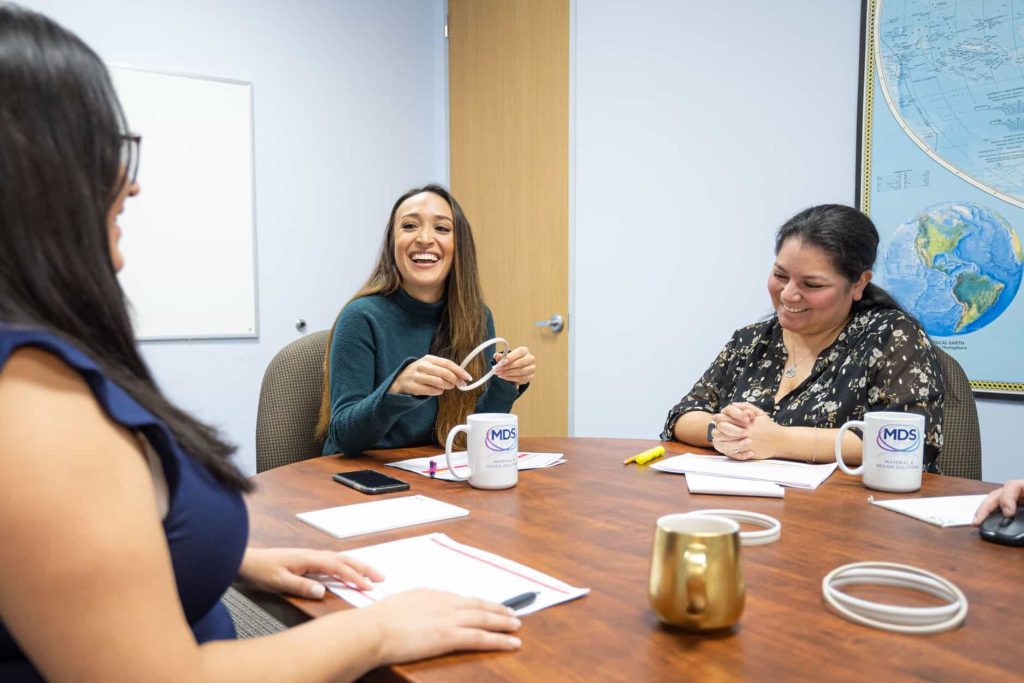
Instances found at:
x=851 y=241
x=463 y=324
x=61 y=141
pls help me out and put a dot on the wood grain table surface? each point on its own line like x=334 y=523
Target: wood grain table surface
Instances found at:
x=590 y=522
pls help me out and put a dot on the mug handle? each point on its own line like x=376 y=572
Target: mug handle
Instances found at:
x=696 y=560
x=839 y=447
x=448 y=450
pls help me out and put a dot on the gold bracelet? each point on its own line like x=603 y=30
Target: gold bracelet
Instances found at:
x=814 y=449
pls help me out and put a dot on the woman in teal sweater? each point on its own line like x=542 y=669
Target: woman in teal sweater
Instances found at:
x=390 y=371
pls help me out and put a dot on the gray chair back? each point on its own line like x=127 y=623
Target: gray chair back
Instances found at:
x=961 y=448
x=251 y=620
x=290 y=403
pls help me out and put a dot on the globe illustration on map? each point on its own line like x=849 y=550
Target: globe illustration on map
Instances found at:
x=955 y=265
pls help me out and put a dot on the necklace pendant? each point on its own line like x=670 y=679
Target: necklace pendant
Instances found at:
x=790 y=372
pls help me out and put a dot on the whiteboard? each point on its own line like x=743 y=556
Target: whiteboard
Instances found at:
x=189 y=237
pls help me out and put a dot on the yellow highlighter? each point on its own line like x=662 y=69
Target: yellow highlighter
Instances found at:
x=646 y=456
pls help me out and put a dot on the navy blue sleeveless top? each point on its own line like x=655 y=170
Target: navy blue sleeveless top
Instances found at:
x=206 y=524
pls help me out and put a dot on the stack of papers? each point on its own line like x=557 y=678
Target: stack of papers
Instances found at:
x=783 y=472
x=436 y=561
x=527 y=461
x=380 y=515
x=939 y=510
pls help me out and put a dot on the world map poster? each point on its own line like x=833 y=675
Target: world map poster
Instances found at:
x=941 y=173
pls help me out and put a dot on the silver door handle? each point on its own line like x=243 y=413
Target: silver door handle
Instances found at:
x=556 y=323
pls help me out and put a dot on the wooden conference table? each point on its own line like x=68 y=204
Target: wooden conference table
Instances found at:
x=590 y=523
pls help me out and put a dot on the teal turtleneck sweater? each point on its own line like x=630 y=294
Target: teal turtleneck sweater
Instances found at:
x=375 y=339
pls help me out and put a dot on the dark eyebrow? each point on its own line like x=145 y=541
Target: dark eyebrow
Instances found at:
x=418 y=216
x=812 y=276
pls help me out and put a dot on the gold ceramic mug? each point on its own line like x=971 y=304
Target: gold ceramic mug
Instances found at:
x=696 y=572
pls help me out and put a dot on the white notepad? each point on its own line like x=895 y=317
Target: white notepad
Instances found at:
x=731 y=486
x=938 y=510
x=439 y=562
x=380 y=515
x=421 y=466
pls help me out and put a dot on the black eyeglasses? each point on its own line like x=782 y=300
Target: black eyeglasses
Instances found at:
x=130 y=144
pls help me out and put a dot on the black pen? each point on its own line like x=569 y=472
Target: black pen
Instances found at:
x=521 y=601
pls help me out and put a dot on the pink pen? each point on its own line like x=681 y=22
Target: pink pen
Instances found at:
x=433 y=469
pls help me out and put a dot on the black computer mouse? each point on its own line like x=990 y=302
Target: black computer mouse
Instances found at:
x=1005 y=530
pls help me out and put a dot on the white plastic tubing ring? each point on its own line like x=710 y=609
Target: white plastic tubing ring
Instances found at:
x=772 y=528
x=472 y=355
x=898 y=618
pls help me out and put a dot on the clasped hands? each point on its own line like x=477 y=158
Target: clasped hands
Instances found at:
x=745 y=432
x=433 y=375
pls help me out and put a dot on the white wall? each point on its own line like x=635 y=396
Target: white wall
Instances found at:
x=349 y=101
x=699 y=128
x=1001 y=436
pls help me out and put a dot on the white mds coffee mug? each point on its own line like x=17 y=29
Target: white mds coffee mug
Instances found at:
x=893 y=451
x=492 y=445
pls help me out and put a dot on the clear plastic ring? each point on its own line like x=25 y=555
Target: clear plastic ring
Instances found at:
x=772 y=527
x=897 y=618
x=473 y=354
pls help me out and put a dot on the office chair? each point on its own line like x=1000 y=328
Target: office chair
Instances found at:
x=251 y=620
x=290 y=403
x=961 y=448
x=285 y=425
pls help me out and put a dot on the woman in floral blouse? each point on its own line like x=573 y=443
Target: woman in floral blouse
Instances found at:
x=837 y=346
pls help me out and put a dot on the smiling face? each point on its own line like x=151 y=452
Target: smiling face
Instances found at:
x=424 y=235
x=113 y=229
x=808 y=293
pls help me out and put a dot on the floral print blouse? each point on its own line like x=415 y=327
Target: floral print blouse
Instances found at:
x=882 y=360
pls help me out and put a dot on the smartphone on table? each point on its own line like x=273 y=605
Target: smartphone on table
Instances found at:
x=370 y=481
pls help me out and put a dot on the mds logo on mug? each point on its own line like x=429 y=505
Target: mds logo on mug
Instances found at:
x=501 y=438
x=898 y=438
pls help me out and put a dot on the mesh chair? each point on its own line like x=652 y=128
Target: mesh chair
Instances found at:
x=290 y=403
x=251 y=620
x=961 y=448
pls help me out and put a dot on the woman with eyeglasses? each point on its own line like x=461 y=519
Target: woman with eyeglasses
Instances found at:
x=123 y=517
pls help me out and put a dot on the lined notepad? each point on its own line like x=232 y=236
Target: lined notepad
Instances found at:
x=437 y=561
x=421 y=466
x=380 y=515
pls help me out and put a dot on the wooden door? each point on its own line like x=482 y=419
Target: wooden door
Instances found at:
x=508 y=64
